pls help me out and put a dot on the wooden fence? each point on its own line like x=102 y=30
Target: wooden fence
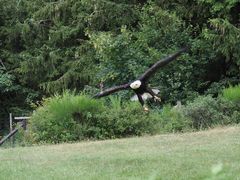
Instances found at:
x=21 y=121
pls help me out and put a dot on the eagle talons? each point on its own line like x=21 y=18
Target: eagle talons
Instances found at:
x=156 y=98
x=145 y=108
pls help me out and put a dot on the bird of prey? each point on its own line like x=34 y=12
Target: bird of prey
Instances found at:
x=145 y=96
x=140 y=86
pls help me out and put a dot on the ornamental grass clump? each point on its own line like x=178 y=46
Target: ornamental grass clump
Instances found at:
x=232 y=93
x=63 y=118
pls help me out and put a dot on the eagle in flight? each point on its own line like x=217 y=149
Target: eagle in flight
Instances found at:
x=140 y=85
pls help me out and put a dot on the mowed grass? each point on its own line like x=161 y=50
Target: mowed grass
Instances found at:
x=174 y=156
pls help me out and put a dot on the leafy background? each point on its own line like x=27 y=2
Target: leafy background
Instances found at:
x=48 y=46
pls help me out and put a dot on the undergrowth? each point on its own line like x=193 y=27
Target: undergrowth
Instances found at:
x=70 y=117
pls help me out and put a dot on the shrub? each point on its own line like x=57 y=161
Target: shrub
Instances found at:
x=206 y=111
x=126 y=119
x=232 y=93
x=76 y=117
x=173 y=120
x=72 y=117
x=63 y=118
x=236 y=117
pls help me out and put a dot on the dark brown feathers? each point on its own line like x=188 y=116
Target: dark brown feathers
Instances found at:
x=145 y=76
x=112 y=90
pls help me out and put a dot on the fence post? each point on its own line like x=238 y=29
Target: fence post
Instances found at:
x=11 y=126
x=10 y=122
x=24 y=122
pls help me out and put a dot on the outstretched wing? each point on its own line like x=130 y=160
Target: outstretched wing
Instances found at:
x=112 y=90
x=160 y=63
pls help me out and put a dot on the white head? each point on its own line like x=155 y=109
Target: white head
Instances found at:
x=136 y=84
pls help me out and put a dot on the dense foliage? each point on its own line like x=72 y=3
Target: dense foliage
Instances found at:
x=72 y=117
x=205 y=112
x=48 y=46
x=77 y=117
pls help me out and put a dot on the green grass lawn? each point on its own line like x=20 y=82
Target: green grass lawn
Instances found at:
x=173 y=156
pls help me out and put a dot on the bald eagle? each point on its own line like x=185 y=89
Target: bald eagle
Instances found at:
x=145 y=96
x=140 y=86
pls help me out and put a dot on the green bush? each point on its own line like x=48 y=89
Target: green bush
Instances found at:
x=76 y=117
x=206 y=111
x=72 y=117
x=63 y=118
x=126 y=119
x=173 y=120
x=232 y=93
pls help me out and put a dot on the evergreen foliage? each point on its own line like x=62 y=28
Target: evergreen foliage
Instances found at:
x=49 y=46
